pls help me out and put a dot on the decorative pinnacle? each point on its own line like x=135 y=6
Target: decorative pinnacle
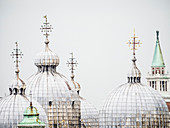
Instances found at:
x=72 y=64
x=134 y=43
x=17 y=54
x=30 y=99
x=46 y=28
x=157 y=33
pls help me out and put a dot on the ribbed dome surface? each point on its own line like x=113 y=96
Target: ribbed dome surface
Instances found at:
x=89 y=115
x=47 y=86
x=134 y=105
x=17 y=83
x=12 y=109
x=46 y=58
x=52 y=90
x=57 y=96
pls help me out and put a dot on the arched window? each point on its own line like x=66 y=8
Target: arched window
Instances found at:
x=10 y=90
x=166 y=86
x=163 y=86
x=150 y=84
x=15 y=91
x=153 y=84
x=21 y=91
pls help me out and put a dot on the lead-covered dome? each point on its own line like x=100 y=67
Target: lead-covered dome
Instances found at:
x=46 y=58
x=134 y=105
x=53 y=90
x=89 y=115
x=12 y=108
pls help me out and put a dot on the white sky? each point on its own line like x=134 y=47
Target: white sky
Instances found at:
x=95 y=30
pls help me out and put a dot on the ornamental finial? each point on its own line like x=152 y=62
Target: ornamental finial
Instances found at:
x=134 y=75
x=134 y=43
x=157 y=34
x=30 y=99
x=72 y=64
x=46 y=28
x=17 y=54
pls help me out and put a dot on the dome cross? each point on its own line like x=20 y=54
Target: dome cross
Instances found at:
x=17 y=54
x=72 y=63
x=46 y=28
x=134 y=43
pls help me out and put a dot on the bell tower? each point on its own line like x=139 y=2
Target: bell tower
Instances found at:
x=159 y=79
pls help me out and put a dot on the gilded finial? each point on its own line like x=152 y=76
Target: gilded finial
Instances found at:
x=46 y=28
x=17 y=54
x=72 y=64
x=134 y=43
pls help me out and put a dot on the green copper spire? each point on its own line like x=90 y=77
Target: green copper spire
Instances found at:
x=158 y=58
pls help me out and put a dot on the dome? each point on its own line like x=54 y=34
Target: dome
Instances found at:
x=57 y=96
x=17 y=85
x=46 y=58
x=53 y=90
x=133 y=104
x=89 y=115
x=134 y=72
x=50 y=86
x=12 y=108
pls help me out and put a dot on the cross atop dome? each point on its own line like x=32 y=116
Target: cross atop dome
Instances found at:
x=134 y=75
x=72 y=63
x=46 y=28
x=17 y=54
x=134 y=43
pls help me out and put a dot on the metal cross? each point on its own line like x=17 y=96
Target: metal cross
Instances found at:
x=17 y=54
x=72 y=64
x=134 y=43
x=46 y=28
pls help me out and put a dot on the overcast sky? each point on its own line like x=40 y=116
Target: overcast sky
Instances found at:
x=95 y=30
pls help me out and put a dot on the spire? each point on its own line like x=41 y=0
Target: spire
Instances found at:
x=158 y=57
x=135 y=75
x=17 y=54
x=30 y=99
x=46 y=28
x=72 y=64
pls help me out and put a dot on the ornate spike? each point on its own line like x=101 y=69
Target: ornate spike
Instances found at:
x=46 y=28
x=134 y=43
x=72 y=64
x=17 y=54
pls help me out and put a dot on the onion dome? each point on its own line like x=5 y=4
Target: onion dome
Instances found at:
x=47 y=58
x=89 y=114
x=53 y=90
x=13 y=106
x=134 y=104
